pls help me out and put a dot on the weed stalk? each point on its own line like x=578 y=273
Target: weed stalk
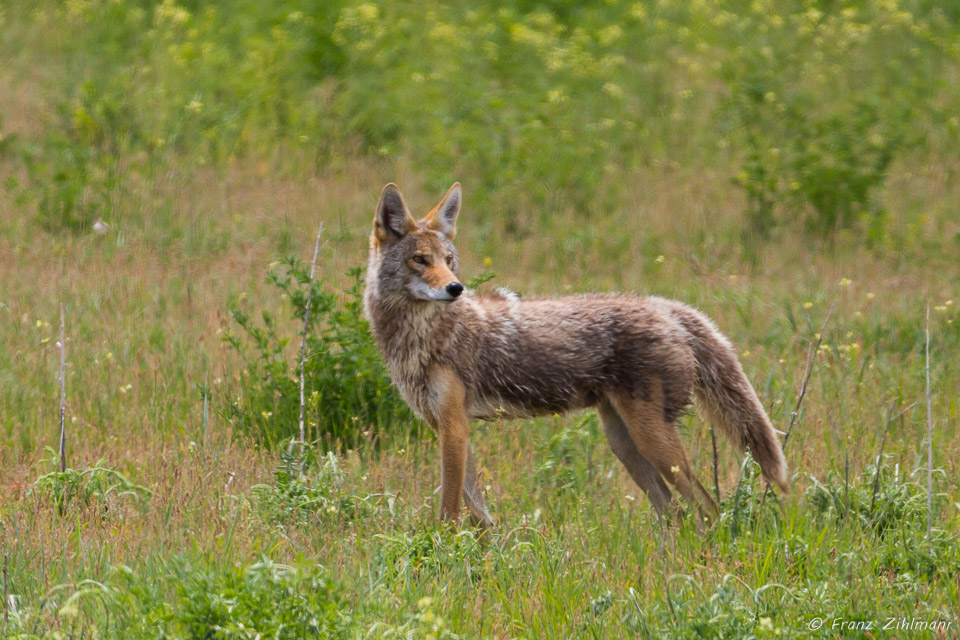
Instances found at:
x=929 y=433
x=6 y=613
x=303 y=337
x=63 y=396
x=807 y=372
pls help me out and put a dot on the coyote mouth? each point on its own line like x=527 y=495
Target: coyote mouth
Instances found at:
x=424 y=292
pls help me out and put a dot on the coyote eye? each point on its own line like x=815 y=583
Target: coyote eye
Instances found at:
x=419 y=259
x=449 y=259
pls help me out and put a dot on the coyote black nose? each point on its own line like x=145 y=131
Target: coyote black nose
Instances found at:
x=455 y=289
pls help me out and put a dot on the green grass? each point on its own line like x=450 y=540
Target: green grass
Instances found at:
x=759 y=160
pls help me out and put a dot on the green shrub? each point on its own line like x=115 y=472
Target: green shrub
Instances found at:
x=179 y=598
x=347 y=392
x=825 y=171
x=70 y=183
x=265 y=599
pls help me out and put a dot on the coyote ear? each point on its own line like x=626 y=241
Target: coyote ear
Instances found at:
x=392 y=220
x=443 y=217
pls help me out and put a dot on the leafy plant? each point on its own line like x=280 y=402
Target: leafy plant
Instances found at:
x=427 y=552
x=98 y=486
x=568 y=456
x=732 y=610
x=348 y=393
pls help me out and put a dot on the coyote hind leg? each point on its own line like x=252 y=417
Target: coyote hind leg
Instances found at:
x=641 y=470
x=658 y=441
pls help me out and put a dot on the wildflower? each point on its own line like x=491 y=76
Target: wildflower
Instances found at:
x=675 y=470
x=629 y=497
x=845 y=282
x=660 y=259
x=638 y=11
x=613 y=90
x=807 y=305
x=194 y=106
x=100 y=227
x=487 y=262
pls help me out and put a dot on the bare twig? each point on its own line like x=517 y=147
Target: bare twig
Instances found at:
x=808 y=371
x=716 y=475
x=929 y=434
x=303 y=338
x=63 y=396
x=206 y=396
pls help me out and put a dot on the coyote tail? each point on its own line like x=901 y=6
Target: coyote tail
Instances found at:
x=724 y=397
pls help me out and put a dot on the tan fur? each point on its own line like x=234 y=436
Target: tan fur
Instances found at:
x=640 y=361
x=447 y=414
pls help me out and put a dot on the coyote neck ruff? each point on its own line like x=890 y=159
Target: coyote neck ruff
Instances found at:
x=641 y=362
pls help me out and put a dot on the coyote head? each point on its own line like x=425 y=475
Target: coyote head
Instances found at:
x=415 y=260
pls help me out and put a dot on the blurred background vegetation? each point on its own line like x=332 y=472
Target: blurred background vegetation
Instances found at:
x=540 y=106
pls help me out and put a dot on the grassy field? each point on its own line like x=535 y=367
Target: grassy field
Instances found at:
x=762 y=160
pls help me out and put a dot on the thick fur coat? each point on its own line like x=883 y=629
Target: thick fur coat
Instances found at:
x=641 y=361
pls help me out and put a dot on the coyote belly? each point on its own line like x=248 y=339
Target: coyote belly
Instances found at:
x=641 y=362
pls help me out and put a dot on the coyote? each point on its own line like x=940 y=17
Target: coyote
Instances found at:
x=457 y=355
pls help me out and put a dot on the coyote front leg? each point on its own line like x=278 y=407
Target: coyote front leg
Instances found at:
x=449 y=419
x=473 y=496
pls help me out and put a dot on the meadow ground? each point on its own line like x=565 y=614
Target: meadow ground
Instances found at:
x=182 y=516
